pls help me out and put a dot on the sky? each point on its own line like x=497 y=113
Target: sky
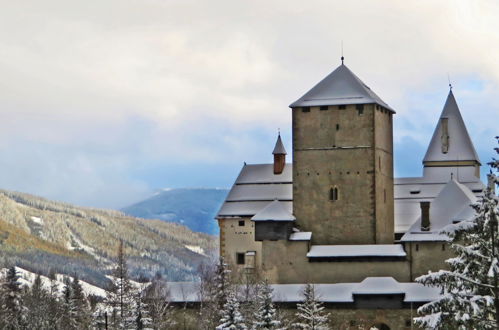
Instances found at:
x=104 y=101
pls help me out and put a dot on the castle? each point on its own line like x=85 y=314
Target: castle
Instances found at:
x=337 y=215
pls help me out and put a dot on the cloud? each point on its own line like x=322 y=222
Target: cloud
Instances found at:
x=99 y=98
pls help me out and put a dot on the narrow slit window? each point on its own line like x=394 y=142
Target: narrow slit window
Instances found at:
x=337 y=127
x=305 y=109
x=333 y=194
x=384 y=195
x=324 y=107
x=342 y=107
x=360 y=109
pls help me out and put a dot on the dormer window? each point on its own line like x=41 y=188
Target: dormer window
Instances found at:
x=415 y=192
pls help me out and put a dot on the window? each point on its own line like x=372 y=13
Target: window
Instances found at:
x=417 y=247
x=384 y=195
x=324 y=107
x=305 y=109
x=360 y=109
x=241 y=223
x=342 y=107
x=337 y=127
x=415 y=192
x=443 y=247
x=408 y=323
x=240 y=258
x=333 y=194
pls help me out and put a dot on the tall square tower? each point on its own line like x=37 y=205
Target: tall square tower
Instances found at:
x=343 y=162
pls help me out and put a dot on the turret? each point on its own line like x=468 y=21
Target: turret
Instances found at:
x=279 y=156
x=451 y=152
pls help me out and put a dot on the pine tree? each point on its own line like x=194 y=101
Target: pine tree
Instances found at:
x=231 y=316
x=311 y=314
x=13 y=305
x=37 y=302
x=266 y=317
x=120 y=296
x=79 y=305
x=68 y=319
x=214 y=291
x=469 y=290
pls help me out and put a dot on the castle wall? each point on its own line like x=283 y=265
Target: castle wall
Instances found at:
x=238 y=239
x=427 y=256
x=285 y=262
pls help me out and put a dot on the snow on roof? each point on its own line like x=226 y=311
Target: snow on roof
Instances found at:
x=260 y=192
x=367 y=250
x=460 y=145
x=378 y=285
x=264 y=173
x=329 y=293
x=453 y=203
x=340 y=87
x=274 y=211
x=279 y=147
x=301 y=236
x=246 y=209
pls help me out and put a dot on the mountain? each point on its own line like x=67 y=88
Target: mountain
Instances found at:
x=193 y=207
x=44 y=236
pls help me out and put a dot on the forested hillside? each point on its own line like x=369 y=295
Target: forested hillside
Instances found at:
x=193 y=207
x=42 y=236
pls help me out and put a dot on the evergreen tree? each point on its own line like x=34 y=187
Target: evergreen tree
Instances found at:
x=141 y=313
x=68 y=318
x=37 y=302
x=13 y=305
x=80 y=310
x=266 y=317
x=120 y=296
x=231 y=316
x=469 y=290
x=311 y=314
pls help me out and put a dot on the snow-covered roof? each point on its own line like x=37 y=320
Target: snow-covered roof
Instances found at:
x=460 y=147
x=301 y=236
x=452 y=204
x=279 y=147
x=328 y=293
x=340 y=87
x=378 y=285
x=274 y=211
x=347 y=251
x=255 y=187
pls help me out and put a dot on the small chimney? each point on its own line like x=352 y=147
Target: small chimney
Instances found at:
x=279 y=156
x=425 y=216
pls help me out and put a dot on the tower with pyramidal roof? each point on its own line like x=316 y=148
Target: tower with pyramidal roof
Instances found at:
x=343 y=162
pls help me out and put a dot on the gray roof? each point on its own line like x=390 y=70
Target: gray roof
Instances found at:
x=279 y=147
x=255 y=187
x=453 y=204
x=330 y=293
x=460 y=145
x=340 y=87
x=274 y=211
x=365 y=250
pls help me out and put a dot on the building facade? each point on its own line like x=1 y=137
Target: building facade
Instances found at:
x=336 y=214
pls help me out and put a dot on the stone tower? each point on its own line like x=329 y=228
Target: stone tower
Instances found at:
x=343 y=162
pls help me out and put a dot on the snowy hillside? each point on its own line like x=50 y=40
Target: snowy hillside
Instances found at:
x=194 y=207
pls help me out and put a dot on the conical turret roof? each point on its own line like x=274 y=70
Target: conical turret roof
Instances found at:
x=279 y=147
x=459 y=145
x=340 y=87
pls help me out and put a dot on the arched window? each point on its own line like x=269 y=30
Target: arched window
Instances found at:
x=333 y=194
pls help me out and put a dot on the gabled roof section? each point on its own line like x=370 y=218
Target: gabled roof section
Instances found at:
x=340 y=87
x=279 y=147
x=275 y=211
x=452 y=204
x=459 y=145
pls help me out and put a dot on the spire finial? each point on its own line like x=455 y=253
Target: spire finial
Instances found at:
x=279 y=131
x=342 y=57
x=450 y=84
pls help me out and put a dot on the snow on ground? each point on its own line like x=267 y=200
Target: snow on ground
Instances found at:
x=196 y=249
x=37 y=220
x=26 y=278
